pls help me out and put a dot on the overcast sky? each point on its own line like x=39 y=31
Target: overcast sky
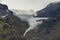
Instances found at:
x=27 y=4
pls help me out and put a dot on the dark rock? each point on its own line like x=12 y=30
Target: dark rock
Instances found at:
x=2 y=35
x=3 y=7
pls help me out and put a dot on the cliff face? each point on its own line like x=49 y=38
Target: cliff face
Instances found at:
x=12 y=28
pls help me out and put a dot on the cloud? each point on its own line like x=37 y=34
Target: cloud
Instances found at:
x=0 y=0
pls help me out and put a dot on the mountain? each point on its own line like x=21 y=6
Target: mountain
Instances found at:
x=12 y=27
x=51 y=10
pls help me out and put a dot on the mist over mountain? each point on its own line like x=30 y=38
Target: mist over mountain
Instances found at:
x=13 y=27
x=27 y=12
